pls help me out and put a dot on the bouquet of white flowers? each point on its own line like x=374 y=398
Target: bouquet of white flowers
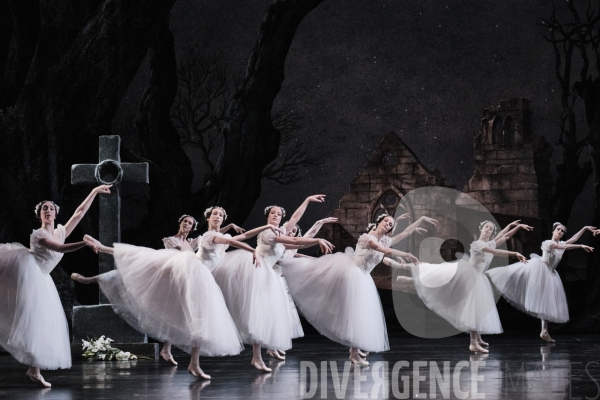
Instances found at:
x=100 y=349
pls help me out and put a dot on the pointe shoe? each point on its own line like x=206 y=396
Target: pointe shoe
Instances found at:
x=360 y=353
x=275 y=354
x=360 y=362
x=260 y=366
x=546 y=336
x=481 y=342
x=281 y=352
x=39 y=379
x=198 y=374
x=169 y=358
x=477 y=348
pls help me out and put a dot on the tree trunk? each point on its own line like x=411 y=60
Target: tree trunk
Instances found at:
x=250 y=141
x=170 y=168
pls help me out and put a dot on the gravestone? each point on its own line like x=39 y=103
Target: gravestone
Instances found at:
x=97 y=320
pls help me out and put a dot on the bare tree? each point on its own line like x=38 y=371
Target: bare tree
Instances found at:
x=576 y=41
x=205 y=91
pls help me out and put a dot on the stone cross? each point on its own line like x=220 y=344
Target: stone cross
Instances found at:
x=109 y=171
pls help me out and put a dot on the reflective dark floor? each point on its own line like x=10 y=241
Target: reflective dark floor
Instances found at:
x=519 y=366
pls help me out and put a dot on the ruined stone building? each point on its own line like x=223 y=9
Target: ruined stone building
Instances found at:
x=511 y=180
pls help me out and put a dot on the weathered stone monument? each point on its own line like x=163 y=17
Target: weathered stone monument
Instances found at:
x=100 y=319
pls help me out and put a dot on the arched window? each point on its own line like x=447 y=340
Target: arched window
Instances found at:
x=509 y=130
x=387 y=204
x=497 y=134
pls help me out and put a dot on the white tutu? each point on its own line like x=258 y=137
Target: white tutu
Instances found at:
x=171 y=296
x=256 y=299
x=534 y=288
x=460 y=292
x=338 y=299
x=297 y=330
x=33 y=326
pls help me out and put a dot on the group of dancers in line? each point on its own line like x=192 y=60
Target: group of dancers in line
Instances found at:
x=206 y=301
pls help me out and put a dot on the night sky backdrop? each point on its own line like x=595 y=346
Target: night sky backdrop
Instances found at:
x=360 y=68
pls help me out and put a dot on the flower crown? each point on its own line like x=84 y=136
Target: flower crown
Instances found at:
x=186 y=215
x=38 y=207
x=268 y=210
x=208 y=211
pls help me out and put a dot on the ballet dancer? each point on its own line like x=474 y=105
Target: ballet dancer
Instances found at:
x=255 y=297
x=33 y=325
x=535 y=288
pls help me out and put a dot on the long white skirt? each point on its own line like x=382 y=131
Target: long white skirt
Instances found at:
x=460 y=294
x=533 y=288
x=171 y=295
x=33 y=325
x=256 y=299
x=338 y=299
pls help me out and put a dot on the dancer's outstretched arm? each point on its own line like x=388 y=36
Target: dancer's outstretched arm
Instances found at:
x=317 y=198
x=97 y=246
x=572 y=247
x=236 y=228
x=510 y=233
x=500 y=252
x=400 y=264
x=325 y=246
x=576 y=236
x=240 y=245
x=253 y=232
x=389 y=252
x=508 y=227
x=62 y=248
x=318 y=225
x=411 y=228
x=84 y=207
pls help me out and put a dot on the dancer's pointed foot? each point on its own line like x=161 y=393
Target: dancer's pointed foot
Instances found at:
x=359 y=362
x=360 y=353
x=275 y=354
x=168 y=357
x=39 y=379
x=546 y=336
x=81 y=279
x=477 y=348
x=281 y=352
x=260 y=365
x=197 y=372
x=481 y=342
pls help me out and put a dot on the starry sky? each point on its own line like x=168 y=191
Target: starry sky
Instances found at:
x=357 y=69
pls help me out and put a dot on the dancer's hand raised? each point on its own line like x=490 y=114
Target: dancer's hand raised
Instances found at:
x=421 y=230
x=237 y=229
x=277 y=230
x=587 y=248
x=103 y=189
x=325 y=246
x=317 y=198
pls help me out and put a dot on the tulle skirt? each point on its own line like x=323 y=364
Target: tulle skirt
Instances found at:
x=297 y=330
x=171 y=296
x=256 y=299
x=533 y=288
x=460 y=294
x=33 y=326
x=338 y=299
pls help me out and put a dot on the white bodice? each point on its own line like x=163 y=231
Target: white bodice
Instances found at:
x=551 y=257
x=172 y=242
x=479 y=259
x=209 y=252
x=47 y=259
x=367 y=258
x=269 y=250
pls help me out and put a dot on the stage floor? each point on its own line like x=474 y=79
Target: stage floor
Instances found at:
x=519 y=366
